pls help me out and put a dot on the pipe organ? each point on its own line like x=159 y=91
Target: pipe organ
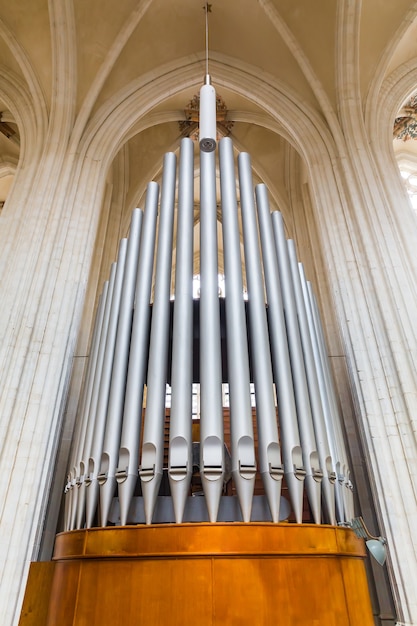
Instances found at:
x=274 y=339
x=131 y=514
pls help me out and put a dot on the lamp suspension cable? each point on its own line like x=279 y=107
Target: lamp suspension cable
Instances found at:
x=207 y=9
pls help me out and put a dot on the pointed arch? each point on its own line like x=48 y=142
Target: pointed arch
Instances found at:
x=15 y=93
x=376 y=87
x=32 y=82
x=302 y=125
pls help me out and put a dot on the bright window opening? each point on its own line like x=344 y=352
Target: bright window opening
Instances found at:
x=410 y=180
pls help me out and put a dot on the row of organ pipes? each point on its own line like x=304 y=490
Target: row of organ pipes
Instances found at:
x=279 y=344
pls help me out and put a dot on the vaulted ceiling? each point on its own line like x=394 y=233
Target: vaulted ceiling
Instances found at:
x=91 y=56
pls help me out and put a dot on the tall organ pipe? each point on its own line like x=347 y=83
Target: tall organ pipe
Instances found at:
x=80 y=428
x=88 y=441
x=327 y=417
x=153 y=431
x=305 y=421
x=71 y=496
x=109 y=457
x=344 y=497
x=92 y=490
x=316 y=402
x=180 y=432
x=290 y=438
x=127 y=471
x=211 y=411
x=207 y=118
x=243 y=453
x=268 y=444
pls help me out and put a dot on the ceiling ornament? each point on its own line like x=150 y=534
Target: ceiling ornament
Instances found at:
x=405 y=125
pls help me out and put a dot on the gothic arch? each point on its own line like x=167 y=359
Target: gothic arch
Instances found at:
x=378 y=85
x=30 y=78
x=16 y=95
x=109 y=127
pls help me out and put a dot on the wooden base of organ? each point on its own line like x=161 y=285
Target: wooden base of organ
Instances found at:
x=202 y=575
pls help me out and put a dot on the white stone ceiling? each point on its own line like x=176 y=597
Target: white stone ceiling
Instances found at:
x=292 y=45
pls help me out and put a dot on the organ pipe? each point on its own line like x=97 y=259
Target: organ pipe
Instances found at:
x=207 y=129
x=153 y=432
x=127 y=471
x=290 y=438
x=268 y=444
x=242 y=440
x=104 y=390
x=83 y=416
x=305 y=421
x=327 y=457
x=316 y=403
x=87 y=445
x=109 y=457
x=180 y=433
x=211 y=420
x=344 y=499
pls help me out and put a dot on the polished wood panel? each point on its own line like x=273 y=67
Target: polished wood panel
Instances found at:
x=221 y=539
x=210 y=575
x=289 y=591
x=38 y=591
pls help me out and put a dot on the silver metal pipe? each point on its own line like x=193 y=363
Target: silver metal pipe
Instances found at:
x=313 y=388
x=74 y=464
x=211 y=411
x=335 y=450
x=151 y=467
x=290 y=439
x=269 y=453
x=81 y=428
x=331 y=423
x=180 y=431
x=243 y=452
x=326 y=453
x=109 y=456
x=92 y=412
x=127 y=472
x=91 y=481
x=207 y=121
x=305 y=420
x=343 y=485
